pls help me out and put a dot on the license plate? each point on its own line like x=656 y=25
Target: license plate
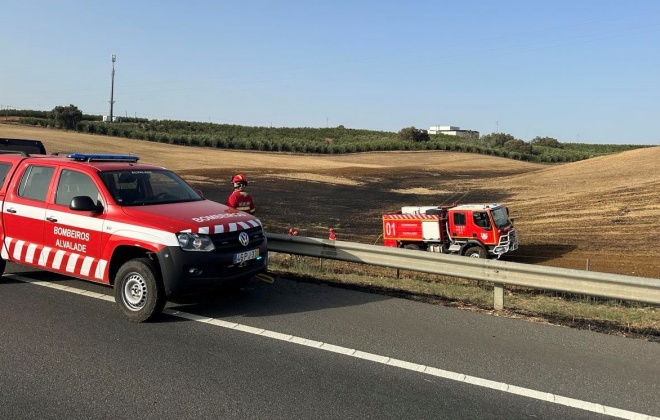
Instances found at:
x=246 y=256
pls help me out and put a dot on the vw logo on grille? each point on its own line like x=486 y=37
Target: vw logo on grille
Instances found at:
x=244 y=239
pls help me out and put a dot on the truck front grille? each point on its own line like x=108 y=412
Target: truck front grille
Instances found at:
x=228 y=242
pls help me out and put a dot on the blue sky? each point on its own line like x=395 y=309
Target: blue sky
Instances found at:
x=579 y=71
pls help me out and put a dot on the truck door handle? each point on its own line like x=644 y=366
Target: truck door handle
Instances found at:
x=51 y=219
x=11 y=210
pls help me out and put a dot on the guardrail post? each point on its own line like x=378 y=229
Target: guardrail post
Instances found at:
x=498 y=296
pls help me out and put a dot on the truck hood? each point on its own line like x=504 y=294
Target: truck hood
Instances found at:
x=197 y=217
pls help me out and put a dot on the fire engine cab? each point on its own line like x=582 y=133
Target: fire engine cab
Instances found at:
x=473 y=230
x=139 y=228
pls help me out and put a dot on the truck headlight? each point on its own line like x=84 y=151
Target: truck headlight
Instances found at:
x=195 y=242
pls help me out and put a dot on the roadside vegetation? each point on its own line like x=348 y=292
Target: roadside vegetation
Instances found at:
x=306 y=140
x=608 y=316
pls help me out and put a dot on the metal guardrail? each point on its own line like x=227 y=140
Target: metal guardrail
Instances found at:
x=501 y=273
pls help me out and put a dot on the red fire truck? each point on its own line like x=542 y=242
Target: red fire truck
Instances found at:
x=473 y=230
x=109 y=219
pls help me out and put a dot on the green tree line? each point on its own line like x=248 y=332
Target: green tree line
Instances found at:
x=330 y=140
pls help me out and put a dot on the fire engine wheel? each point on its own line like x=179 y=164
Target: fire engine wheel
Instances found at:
x=138 y=292
x=3 y=264
x=476 y=252
x=412 y=246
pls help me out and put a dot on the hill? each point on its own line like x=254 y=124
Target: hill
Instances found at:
x=599 y=213
x=605 y=207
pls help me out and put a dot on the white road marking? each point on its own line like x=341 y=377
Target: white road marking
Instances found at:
x=402 y=364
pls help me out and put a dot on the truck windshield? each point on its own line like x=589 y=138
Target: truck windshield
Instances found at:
x=148 y=187
x=500 y=217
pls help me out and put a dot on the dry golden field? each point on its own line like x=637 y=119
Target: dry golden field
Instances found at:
x=603 y=213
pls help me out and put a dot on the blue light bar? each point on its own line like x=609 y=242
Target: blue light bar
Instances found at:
x=91 y=157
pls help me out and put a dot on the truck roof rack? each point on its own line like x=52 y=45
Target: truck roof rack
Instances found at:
x=23 y=145
x=96 y=157
x=14 y=152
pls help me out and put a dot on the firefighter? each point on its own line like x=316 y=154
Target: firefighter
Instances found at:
x=239 y=198
x=332 y=235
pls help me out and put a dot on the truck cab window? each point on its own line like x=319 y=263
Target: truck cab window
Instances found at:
x=4 y=170
x=481 y=219
x=73 y=184
x=35 y=181
x=459 y=219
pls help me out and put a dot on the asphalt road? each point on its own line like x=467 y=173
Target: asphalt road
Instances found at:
x=301 y=350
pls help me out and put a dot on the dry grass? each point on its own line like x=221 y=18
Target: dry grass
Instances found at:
x=604 y=207
x=601 y=213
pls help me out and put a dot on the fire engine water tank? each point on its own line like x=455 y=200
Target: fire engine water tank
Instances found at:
x=417 y=209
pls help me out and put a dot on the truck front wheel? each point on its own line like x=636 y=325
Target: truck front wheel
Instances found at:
x=138 y=292
x=476 y=252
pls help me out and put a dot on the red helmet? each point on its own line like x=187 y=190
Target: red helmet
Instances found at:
x=239 y=179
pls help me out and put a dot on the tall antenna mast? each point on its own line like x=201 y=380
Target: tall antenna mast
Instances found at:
x=112 y=86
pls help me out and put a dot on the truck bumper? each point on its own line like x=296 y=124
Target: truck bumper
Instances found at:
x=186 y=272
x=507 y=243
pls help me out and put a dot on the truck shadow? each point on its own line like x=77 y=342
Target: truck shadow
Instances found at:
x=538 y=253
x=259 y=299
x=256 y=300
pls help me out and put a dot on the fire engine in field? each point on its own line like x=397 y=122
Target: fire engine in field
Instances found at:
x=473 y=230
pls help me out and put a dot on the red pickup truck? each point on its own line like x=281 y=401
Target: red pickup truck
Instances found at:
x=140 y=228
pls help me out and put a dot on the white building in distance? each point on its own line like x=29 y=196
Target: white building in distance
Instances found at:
x=452 y=130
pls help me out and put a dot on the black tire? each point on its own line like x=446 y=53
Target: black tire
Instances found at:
x=476 y=252
x=3 y=264
x=416 y=247
x=139 y=293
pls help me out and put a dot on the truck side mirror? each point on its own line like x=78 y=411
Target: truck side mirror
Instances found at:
x=84 y=203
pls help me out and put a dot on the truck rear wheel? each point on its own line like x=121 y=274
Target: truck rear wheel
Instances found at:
x=476 y=252
x=138 y=292
x=416 y=247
